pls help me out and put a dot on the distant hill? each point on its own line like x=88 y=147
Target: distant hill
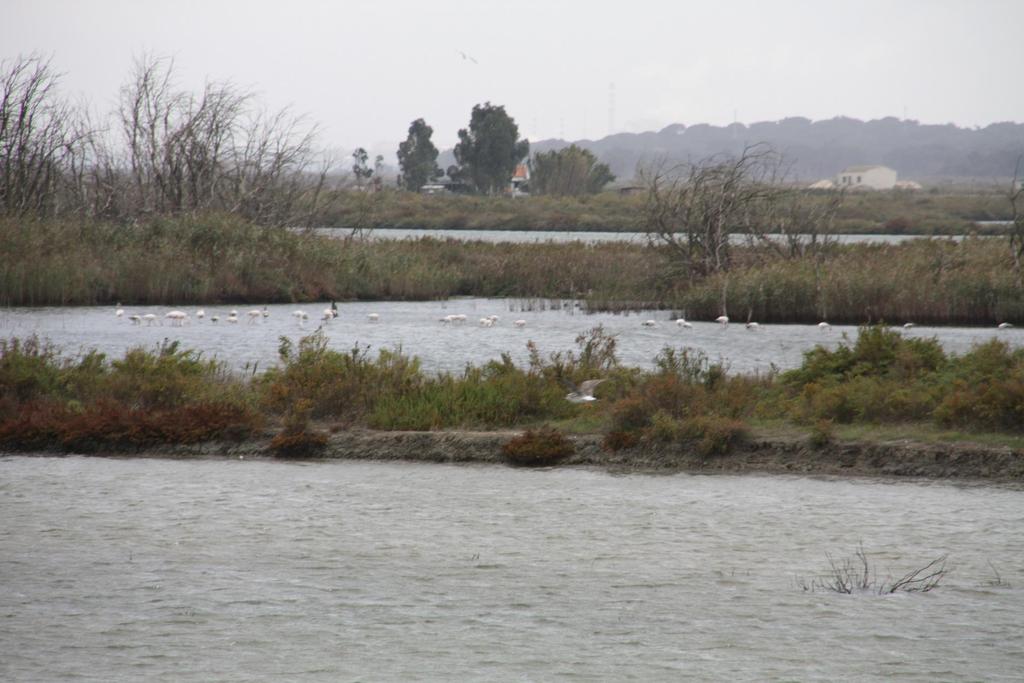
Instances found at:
x=820 y=149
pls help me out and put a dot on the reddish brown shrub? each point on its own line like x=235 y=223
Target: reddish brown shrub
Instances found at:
x=538 y=448
x=618 y=440
x=298 y=443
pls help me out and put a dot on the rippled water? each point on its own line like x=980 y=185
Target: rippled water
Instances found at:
x=415 y=328
x=124 y=570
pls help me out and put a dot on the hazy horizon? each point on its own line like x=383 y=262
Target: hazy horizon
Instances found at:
x=364 y=70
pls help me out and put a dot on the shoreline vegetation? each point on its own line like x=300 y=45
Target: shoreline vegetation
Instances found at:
x=883 y=404
x=214 y=258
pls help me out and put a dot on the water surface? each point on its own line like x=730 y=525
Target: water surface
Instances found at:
x=590 y=237
x=126 y=570
x=415 y=327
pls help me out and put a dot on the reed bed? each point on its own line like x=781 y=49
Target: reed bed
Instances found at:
x=219 y=258
x=896 y=212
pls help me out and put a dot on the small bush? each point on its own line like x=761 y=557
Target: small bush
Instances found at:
x=664 y=428
x=538 y=448
x=296 y=439
x=298 y=443
x=822 y=434
x=618 y=440
x=630 y=415
x=713 y=435
x=857 y=575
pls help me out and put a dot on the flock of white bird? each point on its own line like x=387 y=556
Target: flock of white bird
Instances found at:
x=179 y=318
x=723 y=320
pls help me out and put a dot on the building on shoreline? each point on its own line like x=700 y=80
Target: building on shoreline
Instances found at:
x=866 y=178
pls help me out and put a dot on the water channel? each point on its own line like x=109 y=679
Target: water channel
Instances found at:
x=415 y=327
x=525 y=236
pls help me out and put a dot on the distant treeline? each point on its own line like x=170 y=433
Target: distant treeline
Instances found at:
x=214 y=258
x=820 y=149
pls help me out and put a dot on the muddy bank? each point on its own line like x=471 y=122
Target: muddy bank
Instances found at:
x=763 y=455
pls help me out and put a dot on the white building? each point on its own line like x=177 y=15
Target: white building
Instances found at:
x=866 y=177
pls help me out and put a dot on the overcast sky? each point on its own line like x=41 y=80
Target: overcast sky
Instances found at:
x=364 y=69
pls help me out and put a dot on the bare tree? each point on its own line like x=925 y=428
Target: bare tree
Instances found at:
x=40 y=134
x=164 y=151
x=694 y=210
x=215 y=151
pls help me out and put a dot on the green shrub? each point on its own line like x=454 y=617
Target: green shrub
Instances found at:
x=664 y=428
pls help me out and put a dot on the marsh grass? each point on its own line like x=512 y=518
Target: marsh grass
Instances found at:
x=209 y=258
x=896 y=212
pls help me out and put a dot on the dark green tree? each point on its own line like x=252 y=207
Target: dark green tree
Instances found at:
x=417 y=157
x=571 y=171
x=360 y=167
x=487 y=153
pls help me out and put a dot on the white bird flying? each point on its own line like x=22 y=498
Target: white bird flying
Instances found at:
x=584 y=393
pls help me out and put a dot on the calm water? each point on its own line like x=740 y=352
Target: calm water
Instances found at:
x=415 y=328
x=127 y=570
x=520 y=236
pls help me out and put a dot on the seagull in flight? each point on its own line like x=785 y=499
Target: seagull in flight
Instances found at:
x=469 y=57
x=584 y=393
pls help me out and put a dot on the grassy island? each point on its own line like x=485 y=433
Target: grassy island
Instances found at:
x=878 y=387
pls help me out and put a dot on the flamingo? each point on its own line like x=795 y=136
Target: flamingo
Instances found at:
x=254 y=315
x=1005 y=326
x=120 y=311
x=908 y=326
x=232 y=317
x=373 y=317
x=177 y=318
x=266 y=312
x=824 y=326
x=682 y=322
x=752 y=326
x=722 y=320
x=486 y=322
x=200 y=314
x=135 y=318
x=150 y=318
x=519 y=323
x=648 y=323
